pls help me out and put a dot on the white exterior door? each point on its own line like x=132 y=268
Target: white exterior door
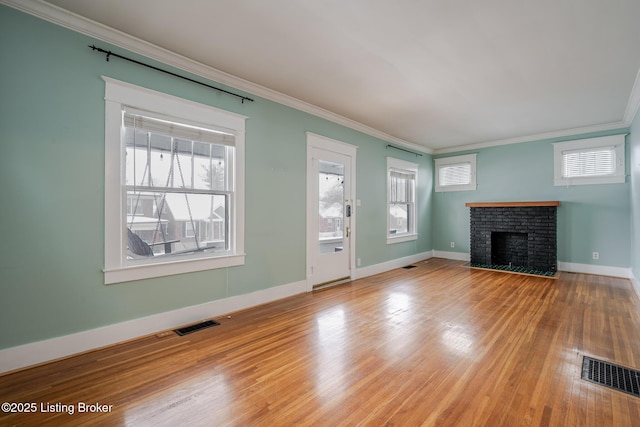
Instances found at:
x=330 y=210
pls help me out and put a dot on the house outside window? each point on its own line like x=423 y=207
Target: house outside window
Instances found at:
x=401 y=201
x=177 y=204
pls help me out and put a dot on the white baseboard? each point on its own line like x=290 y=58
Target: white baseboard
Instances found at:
x=35 y=353
x=572 y=267
x=458 y=256
x=390 y=265
x=635 y=284
x=56 y=348
x=18 y=357
x=600 y=270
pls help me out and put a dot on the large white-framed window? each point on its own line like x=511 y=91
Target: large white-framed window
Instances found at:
x=456 y=173
x=174 y=185
x=590 y=161
x=402 y=181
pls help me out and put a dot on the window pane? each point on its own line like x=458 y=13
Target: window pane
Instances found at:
x=159 y=159
x=182 y=167
x=171 y=223
x=209 y=166
x=331 y=207
x=398 y=218
x=136 y=144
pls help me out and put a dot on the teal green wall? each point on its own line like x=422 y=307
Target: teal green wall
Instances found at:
x=591 y=218
x=634 y=139
x=52 y=170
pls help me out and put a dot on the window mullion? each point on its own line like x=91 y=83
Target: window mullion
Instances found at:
x=193 y=164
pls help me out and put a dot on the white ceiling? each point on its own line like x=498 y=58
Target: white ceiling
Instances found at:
x=436 y=73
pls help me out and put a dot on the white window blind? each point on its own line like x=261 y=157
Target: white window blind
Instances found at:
x=589 y=162
x=157 y=124
x=459 y=174
x=402 y=187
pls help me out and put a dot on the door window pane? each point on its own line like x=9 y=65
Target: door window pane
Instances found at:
x=331 y=207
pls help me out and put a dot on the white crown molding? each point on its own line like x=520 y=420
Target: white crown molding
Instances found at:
x=634 y=102
x=536 y=137
x=85 y=26
x=77 y=23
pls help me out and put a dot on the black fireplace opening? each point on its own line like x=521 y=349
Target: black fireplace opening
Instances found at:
x=510 y=249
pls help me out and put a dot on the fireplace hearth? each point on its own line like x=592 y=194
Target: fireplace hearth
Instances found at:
x=515 y=236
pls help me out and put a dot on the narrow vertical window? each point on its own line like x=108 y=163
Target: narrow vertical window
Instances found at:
x=401 y=200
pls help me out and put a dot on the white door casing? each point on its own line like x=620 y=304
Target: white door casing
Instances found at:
x=330 y=237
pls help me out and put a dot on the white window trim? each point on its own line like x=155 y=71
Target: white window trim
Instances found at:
x=410 y=168
x=117 y=95
x=615 y=141
x=455 y=160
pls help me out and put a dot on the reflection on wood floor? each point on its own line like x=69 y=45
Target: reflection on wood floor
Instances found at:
x=438 y=344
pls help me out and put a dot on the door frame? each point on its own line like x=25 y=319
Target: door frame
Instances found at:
x=315 y=141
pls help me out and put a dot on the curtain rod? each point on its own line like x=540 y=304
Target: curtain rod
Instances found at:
x=404 y=149
x=110 y=54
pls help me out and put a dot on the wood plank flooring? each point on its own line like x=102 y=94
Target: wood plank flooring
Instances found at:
x=439 y=344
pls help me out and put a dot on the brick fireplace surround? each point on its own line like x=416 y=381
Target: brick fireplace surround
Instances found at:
x=514 y=236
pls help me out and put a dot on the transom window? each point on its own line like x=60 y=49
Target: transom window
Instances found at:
x=178 y=204
x=590 y=161
x=457 y=173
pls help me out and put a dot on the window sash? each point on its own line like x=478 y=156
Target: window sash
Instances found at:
x=178 y=166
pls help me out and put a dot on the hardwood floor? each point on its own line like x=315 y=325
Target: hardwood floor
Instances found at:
x=439 y=344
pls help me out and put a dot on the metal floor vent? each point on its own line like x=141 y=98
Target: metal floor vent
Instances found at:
x=613 y=376
x=196 y=327
x=407 y=267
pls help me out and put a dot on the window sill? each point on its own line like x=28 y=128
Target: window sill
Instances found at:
x=570 y=182
x=148 y=271
x=450 y=188
x=401 y=238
